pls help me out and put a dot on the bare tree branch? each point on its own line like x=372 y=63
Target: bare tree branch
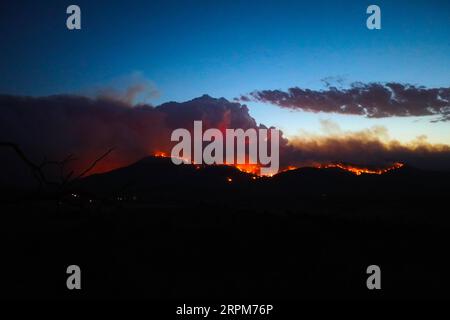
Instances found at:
x=94 y=164
x=38 y=169
x=37 y=172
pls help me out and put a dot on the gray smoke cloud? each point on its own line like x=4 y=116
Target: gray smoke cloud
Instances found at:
x=55 y=126
x=372 y=100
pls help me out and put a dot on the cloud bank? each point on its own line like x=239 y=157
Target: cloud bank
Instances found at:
x=372 y=146
x=372 y=100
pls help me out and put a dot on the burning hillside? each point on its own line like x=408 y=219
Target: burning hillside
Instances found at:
x=358 y=170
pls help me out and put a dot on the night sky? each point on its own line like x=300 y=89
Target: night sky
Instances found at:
x=184 y=49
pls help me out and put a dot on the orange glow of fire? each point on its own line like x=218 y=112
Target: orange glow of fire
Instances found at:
x=160 y=154
x=354 y=169
x=248 y=168
x=254 y=169
x=359 y=170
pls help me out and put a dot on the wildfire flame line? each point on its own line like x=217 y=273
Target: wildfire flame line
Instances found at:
x=360 y=170
x=254 y=169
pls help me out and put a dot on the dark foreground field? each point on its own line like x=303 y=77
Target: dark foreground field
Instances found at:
x=157 y=231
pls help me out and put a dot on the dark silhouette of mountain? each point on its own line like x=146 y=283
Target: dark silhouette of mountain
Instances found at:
x=160 y=173
x=160 y=231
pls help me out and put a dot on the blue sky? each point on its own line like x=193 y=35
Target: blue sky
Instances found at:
x=227 y=48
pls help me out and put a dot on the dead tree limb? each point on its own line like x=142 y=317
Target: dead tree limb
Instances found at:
x=38 y=169
x=92 y=166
